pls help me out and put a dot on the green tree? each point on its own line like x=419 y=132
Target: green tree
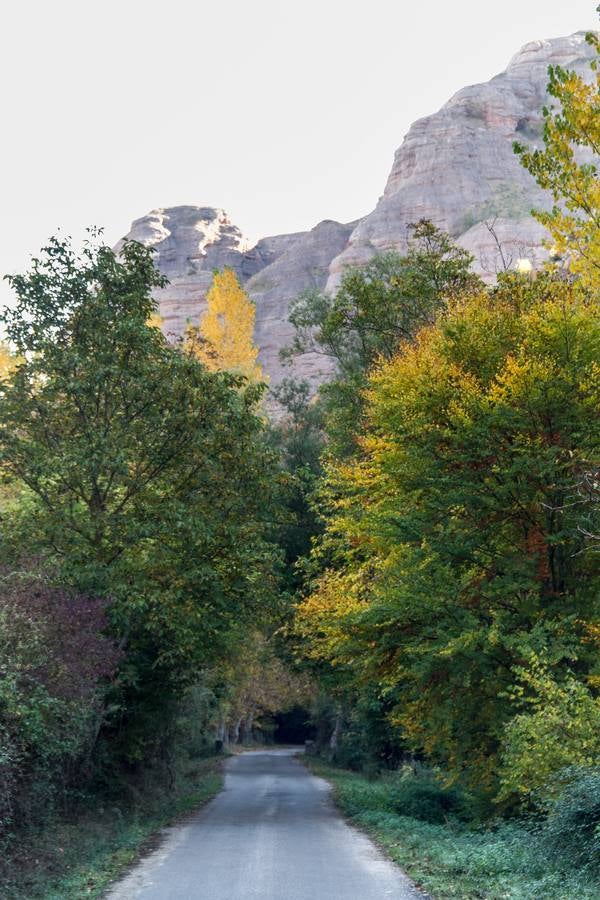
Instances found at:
x=452 y=552
x=298 y=437
x=375 y=310
x=148 y=479
x=557 y=727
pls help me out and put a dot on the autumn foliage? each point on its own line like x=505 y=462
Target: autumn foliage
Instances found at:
x=224 y=339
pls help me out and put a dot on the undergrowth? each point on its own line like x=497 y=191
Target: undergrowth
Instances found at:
x=451 y=859
x=77 y=856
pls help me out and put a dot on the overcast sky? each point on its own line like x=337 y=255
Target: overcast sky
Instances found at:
x=282 y=113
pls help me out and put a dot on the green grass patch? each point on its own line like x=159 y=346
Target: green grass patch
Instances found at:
x=77 y=856
x=449 y=859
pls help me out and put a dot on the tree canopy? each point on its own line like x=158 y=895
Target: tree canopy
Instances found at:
x=452 y=550
x=147 y=479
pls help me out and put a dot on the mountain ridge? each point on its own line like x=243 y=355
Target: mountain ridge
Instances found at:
x=455 y=166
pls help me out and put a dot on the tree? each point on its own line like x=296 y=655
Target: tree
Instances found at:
x=451 y=553
x=557 y=727
x=298 y=438
x=255 y=684
x=376 y=309
x=148 y=480
x=224 y=340
x=571 y=134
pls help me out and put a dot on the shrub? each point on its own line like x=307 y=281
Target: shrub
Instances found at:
x=53 y=658
x=412 y=793
x=572 y=826
x=422 y=796
x=558 y=728
x=426 y=800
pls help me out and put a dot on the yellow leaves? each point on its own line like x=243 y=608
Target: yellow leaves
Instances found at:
x=155 y=321
x=560 y=727
x=224 y=339
x=322 y=617
x=591 y=631
x=590 y=382
x=8 y=361
x=574 y=222
x=519 y=378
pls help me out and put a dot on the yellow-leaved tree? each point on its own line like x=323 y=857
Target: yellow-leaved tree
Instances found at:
x=155 y=320
x=570 y=131
x=8 y=360
x=224 y=339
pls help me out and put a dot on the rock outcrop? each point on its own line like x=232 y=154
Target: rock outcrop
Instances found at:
x=303 y=266
x=190 y=242
x=455 y=167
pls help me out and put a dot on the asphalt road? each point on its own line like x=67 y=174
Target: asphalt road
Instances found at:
x=272 y=834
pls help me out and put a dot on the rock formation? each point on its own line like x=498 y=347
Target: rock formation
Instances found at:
x=455 y=167
x=303 y=266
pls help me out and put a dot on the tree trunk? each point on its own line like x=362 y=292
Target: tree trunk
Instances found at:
x=248 y=723
x=235 y=736
x=335 y=734
x=220 y=736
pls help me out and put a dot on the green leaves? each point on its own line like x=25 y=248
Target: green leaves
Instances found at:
x=453 y=548
x=568 y=173
x=148 y=479
x=377 y=308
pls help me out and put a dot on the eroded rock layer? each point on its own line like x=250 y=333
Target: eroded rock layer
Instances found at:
x=456 y=167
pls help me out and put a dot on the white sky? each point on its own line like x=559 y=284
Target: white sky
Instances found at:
x=282 y=113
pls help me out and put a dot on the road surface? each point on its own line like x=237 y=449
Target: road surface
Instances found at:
x=272 y=834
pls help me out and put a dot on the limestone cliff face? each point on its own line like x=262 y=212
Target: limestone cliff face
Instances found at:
x=455 y=167
x=190 y=242
x=303 y=266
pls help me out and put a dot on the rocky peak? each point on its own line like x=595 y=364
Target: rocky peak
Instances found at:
x=190 y=242
x=456 y=167
x=190 y=239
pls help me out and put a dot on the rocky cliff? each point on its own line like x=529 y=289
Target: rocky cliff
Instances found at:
x=455 y=167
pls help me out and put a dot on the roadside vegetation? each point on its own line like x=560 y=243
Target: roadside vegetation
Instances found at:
x=429 y=832
x=78 y=853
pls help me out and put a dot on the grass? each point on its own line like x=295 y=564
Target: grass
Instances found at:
x=451 y=859
x=78 y=857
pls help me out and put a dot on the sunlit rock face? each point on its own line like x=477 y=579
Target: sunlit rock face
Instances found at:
x=456 y=167
x=190 y=242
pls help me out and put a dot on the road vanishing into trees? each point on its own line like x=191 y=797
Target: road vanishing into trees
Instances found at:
x=271 y=834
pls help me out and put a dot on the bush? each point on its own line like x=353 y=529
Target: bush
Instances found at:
x=558 y=729
x=456 y=860
x=412 y=793
x=423 y=797
x=53 y=658
x=572 y=826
